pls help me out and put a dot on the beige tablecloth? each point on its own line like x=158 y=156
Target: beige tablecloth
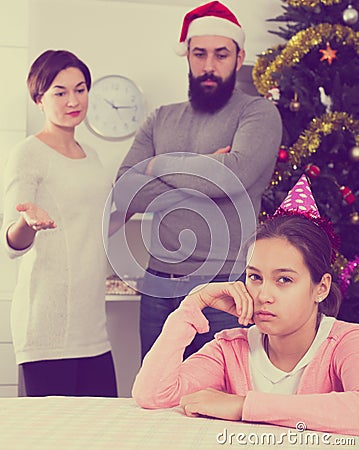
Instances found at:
x=70 y=423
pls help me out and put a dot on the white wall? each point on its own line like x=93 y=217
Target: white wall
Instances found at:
x=13 y=95
x=135 y=39
x=14 y=60
x=14 y=35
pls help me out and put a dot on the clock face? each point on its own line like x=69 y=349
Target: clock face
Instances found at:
x=116 y=107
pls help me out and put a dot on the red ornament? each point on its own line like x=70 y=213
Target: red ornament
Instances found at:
x=312 y=171
x=347 y=195
x=283 y=154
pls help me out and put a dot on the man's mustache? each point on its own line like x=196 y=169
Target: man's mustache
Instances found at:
x=209 y=77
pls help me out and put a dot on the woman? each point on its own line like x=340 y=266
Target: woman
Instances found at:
x=296 y=346
x=55 y=191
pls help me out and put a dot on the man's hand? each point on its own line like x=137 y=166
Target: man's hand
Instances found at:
x=222 y=150
x=35 y=217
x=149 y=166
x=213 y=403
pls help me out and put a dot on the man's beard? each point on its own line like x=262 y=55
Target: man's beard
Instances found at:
x=210 y=100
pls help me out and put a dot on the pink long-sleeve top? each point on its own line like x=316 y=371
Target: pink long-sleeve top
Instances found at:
x=327 y=397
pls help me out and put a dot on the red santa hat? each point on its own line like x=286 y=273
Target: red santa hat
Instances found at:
x=208 y=20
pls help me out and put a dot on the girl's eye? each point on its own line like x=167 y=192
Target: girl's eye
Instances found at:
x=284 y=280
x=60 y=94
x=253 y=277
x=81 y=90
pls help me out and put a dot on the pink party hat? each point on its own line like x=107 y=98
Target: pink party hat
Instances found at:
x=300 y=199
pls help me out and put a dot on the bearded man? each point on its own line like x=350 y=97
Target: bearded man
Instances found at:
x=201 y=168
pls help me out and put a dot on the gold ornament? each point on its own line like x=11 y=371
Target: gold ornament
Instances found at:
x=354 y=153
x=267 y=64
x=294 y=104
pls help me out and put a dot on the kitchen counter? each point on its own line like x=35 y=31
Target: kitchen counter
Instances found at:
x=122 y=298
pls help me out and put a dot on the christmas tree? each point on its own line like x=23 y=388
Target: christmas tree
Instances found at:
x=313 y=80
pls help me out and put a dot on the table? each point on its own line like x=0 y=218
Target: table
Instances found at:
x=85 y=423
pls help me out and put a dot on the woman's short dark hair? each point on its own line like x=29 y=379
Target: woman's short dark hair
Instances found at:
x=315 y=247
x=45 y=68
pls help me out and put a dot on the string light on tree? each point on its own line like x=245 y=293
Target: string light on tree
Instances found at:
x=354 y=153
x=354 y=218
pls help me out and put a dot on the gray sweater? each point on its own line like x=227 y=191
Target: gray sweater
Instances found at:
x=205 y=205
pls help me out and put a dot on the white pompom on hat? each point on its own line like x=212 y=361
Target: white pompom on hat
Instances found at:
x=211 y=19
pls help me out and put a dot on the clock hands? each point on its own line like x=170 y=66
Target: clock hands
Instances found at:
x=119 y=106
x=110 y=103
x=125 y=107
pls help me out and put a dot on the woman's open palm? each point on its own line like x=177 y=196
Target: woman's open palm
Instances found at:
x=35 y=217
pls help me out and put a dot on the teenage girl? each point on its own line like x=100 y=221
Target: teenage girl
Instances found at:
x=297 y=363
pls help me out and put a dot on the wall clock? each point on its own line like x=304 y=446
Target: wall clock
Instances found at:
x=116 y=107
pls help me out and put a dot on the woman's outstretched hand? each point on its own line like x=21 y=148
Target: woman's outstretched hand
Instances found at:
x=231 y=297
x=35 y=217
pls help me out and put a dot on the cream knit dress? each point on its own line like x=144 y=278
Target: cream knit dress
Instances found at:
x=58 y=308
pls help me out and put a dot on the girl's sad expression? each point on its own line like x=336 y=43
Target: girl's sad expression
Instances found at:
x=284 y=295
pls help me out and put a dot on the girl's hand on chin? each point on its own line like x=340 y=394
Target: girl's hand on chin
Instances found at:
x=230 y=297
